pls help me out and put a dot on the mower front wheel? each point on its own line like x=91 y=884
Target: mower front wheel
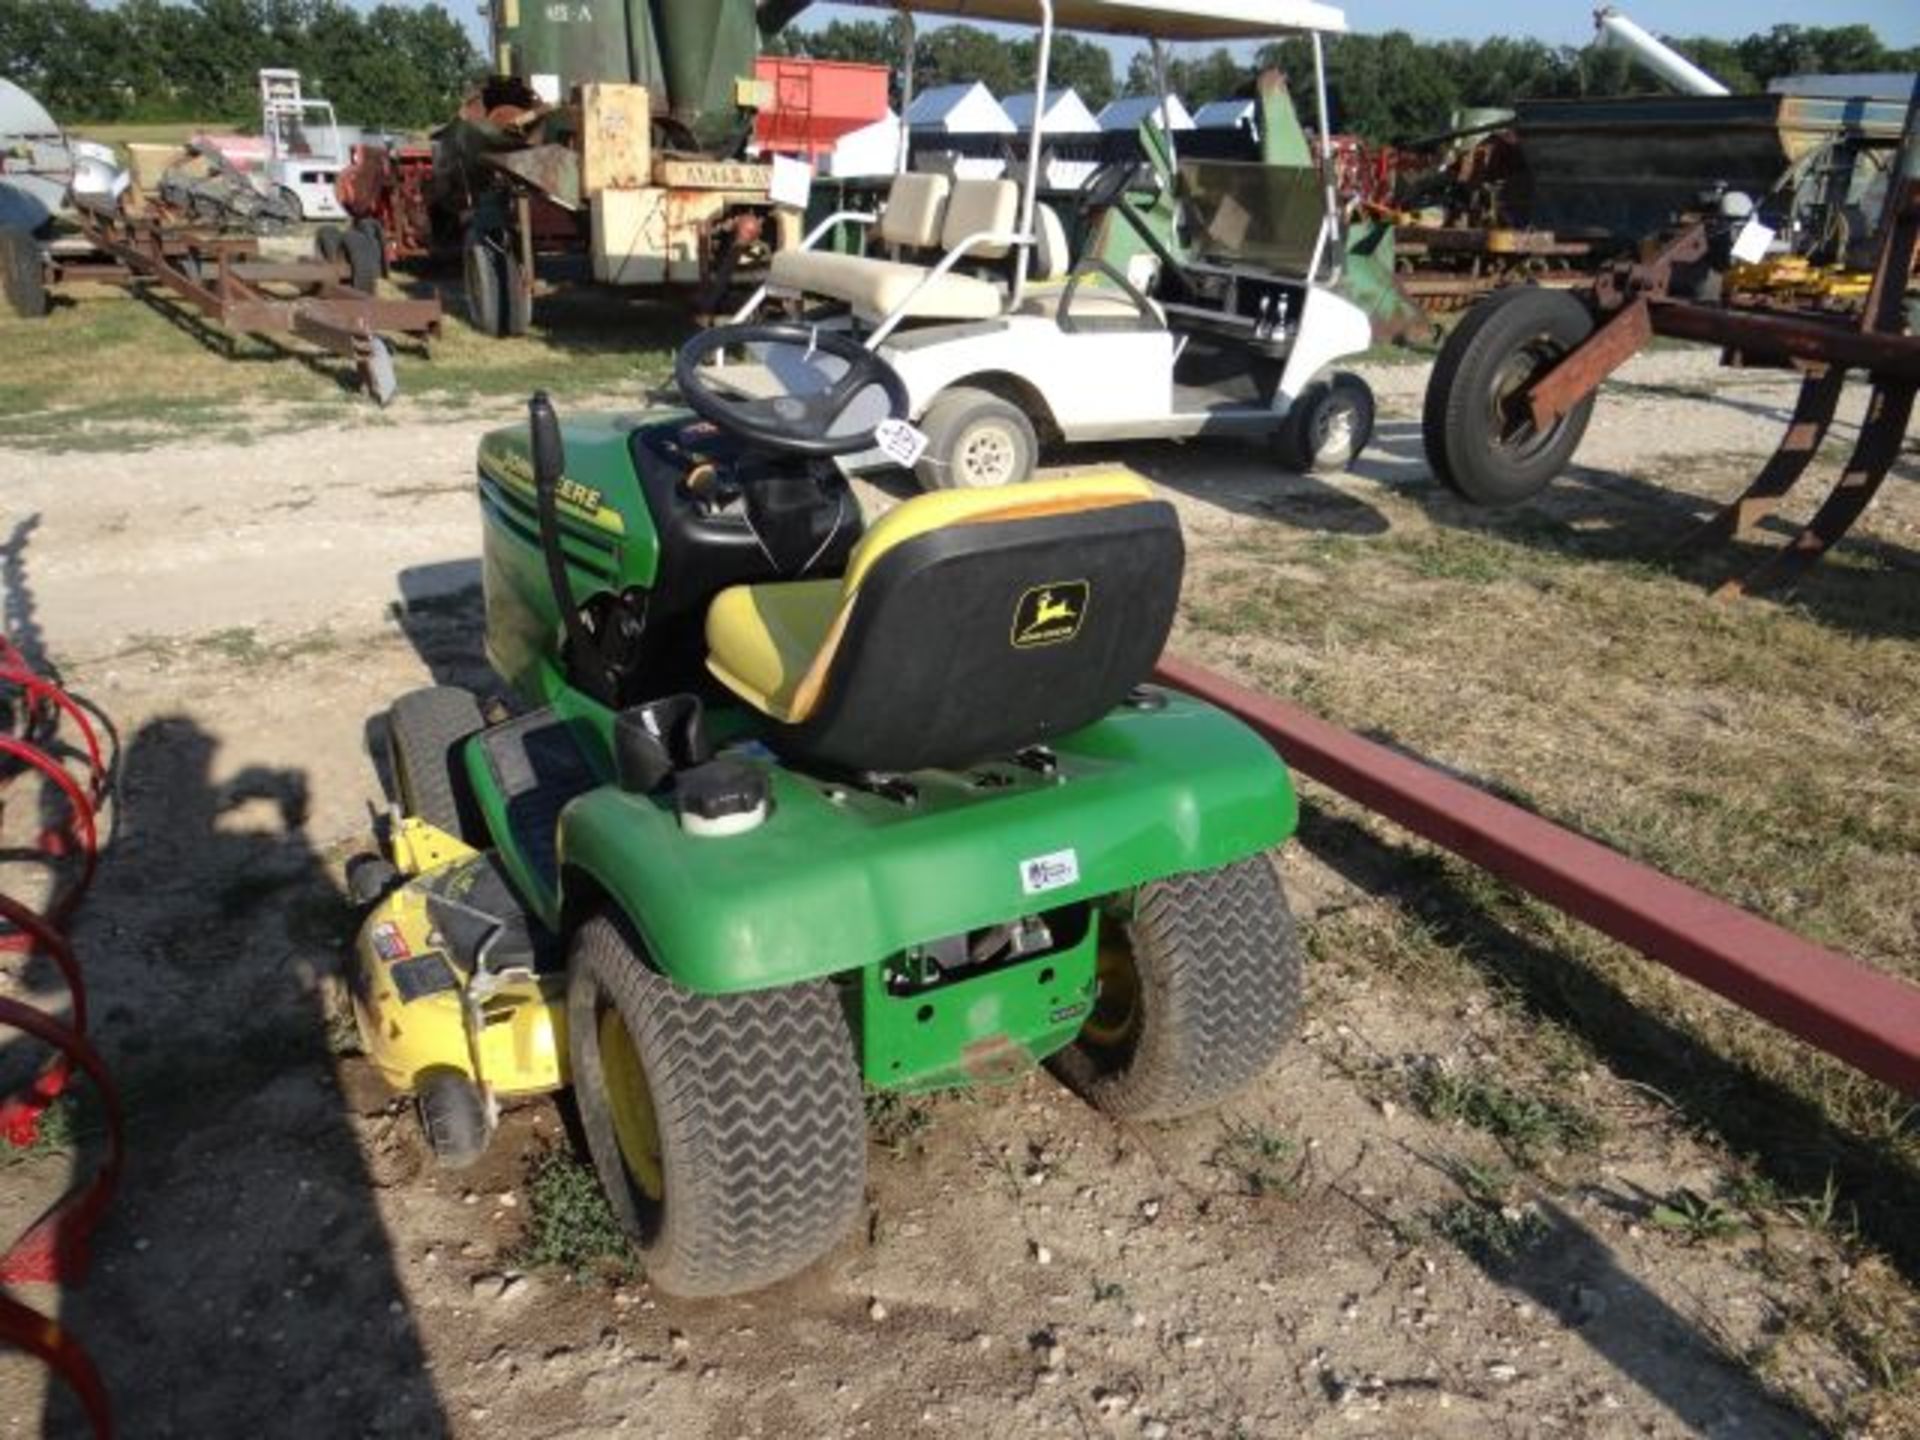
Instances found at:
x=425 y=729
x=1200 y=985
x=728 y=1130
x=454 y=1115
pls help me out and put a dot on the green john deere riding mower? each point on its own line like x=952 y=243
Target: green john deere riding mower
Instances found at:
x=784 y=805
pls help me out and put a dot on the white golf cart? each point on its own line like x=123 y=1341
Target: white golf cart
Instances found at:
x=1222 y=322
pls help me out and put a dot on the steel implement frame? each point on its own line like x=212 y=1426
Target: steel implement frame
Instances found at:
x=326 y=312
x=1860 y=1015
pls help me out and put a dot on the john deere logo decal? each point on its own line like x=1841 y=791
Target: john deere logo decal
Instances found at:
x=1049 y=614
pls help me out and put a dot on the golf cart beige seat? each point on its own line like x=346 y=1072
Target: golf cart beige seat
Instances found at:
x=923 y=213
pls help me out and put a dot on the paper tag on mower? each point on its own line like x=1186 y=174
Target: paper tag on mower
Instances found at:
x=1050 y=872
x=900 y=442
x=1751 y=244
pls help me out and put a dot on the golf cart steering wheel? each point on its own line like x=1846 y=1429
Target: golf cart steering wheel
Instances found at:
x=791 y=423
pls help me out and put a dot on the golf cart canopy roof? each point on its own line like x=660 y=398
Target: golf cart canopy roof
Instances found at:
x=1151 y=19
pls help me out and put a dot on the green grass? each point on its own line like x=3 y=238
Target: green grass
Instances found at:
x=1488 y=1222
x=1261 y=1162
x=570 y=1225
x=111 y=373
x=1527 y=1125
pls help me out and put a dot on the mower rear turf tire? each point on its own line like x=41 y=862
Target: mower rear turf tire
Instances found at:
x=1475 y=445
x=1328 y=427
x=454 y=1115
x=22 y=280
x=754 y=1131
x=424 y=731
x=363 y=260
x=975 y=440
x=1205 y=991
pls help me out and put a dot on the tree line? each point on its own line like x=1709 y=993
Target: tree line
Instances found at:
x=408 y=67
x=1387 y=87
x=150 y=60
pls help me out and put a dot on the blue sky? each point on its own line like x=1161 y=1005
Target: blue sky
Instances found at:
x=1559 y=22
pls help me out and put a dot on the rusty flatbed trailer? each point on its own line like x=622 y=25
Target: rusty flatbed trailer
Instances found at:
x=226 y=279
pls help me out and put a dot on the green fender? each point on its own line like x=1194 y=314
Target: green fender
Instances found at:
x=839 y=879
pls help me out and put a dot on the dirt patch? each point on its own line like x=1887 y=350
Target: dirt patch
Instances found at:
x=1508 y=1180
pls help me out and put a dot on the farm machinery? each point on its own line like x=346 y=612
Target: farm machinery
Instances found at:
x=611 y=138
x=1514 y=386
x=745 y=840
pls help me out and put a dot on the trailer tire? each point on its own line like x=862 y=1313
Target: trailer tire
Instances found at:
x=1328 y=427
x=728 y=1130
x=363 y=261
x=367 y=225
x=22 y=279
x=516 y=294
x=1475 y=447
x=425 y=729
x=486 y=299
x=1201 y=983
x=975 y=439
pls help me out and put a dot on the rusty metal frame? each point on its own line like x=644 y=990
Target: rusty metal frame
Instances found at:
x=321 y=310
x=1860 y=1015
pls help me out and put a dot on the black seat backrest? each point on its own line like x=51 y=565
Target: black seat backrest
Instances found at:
x=977 y=640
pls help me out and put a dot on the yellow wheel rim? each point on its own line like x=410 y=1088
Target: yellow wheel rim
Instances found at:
x=1116 y=998
x=630 y=1103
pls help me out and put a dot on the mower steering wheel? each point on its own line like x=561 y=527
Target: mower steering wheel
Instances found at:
x=790 y=423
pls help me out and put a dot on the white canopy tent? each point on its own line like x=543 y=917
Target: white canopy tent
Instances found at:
x=1130 y=112
x=1064 y=113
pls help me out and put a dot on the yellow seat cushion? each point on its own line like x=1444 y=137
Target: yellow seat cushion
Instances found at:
x=771 y=644
x=1092 y=491
x=762 y=639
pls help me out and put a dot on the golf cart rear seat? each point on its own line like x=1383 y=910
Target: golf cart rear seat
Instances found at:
x=922 y=213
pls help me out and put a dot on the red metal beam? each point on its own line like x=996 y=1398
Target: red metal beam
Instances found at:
x=1852 y=1011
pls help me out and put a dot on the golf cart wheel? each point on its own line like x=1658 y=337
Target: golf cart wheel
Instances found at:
x=1328 y=427
x=1200 y=982
x=975 y=439
x=485 y=287
x=329 y=243
x=728 y=1130
x=21 y=279
x=363 y=260
x=453 y=1113
x=1480 y=441
x=425 y=729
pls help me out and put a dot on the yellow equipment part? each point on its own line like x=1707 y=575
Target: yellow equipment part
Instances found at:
x=1791 y=277
x=420 y=1012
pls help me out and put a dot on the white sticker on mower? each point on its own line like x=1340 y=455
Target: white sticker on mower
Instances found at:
x=900 y=442
x=1050 y=872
